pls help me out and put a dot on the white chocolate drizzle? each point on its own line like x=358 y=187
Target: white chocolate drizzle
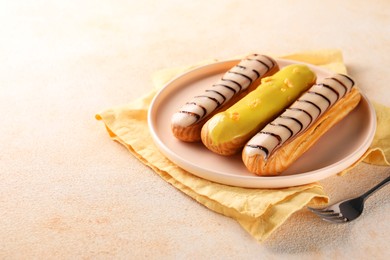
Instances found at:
x=299 y=116
x=232 y=83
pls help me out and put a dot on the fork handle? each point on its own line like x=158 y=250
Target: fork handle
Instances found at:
x=375 y=188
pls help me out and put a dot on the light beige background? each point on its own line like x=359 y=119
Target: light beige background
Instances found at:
x=67 y=191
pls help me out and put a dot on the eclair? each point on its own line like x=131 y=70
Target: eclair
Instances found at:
x=227 y=132
x=281 y=142
x=187 y=122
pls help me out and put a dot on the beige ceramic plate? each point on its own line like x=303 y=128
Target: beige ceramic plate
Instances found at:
x=340 y=147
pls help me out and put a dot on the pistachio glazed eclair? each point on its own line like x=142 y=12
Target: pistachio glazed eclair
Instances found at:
x=228 y=131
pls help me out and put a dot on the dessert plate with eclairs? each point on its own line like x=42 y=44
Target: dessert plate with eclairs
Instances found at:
x=262 y=122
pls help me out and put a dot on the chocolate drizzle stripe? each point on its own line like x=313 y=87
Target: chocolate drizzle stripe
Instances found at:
x=311 y=103
x=331 y=89
x=321 y=95
x=257 y=73
x=345 y=76
x=219 y=93
x=241 y=67
x=226 y=86
x=342 y=84
x=213 y=99
x=262 y=62
x=295 y=120
x=273 y=135
x=202 y=107
x=233 y=81
x=268 y=58
x=302 y=110
x=191 y=114
x=285 y=127
x=242 y=75
x=265 y=150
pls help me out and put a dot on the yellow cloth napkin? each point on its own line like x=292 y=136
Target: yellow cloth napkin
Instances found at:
x=258 y=211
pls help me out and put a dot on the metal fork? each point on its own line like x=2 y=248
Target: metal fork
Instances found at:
x=347 y=210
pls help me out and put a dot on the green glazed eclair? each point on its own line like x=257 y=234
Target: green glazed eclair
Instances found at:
x=228 y=131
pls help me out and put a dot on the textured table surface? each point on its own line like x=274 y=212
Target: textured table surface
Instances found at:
x=68 y=191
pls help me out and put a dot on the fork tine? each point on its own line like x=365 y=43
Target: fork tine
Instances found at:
x=334 y=217
x=326 y=212
x=323 y=210
x=329 y=215
x=336 y=220
x=313 y=209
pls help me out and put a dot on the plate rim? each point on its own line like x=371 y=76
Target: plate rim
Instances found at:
x=259 y=181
